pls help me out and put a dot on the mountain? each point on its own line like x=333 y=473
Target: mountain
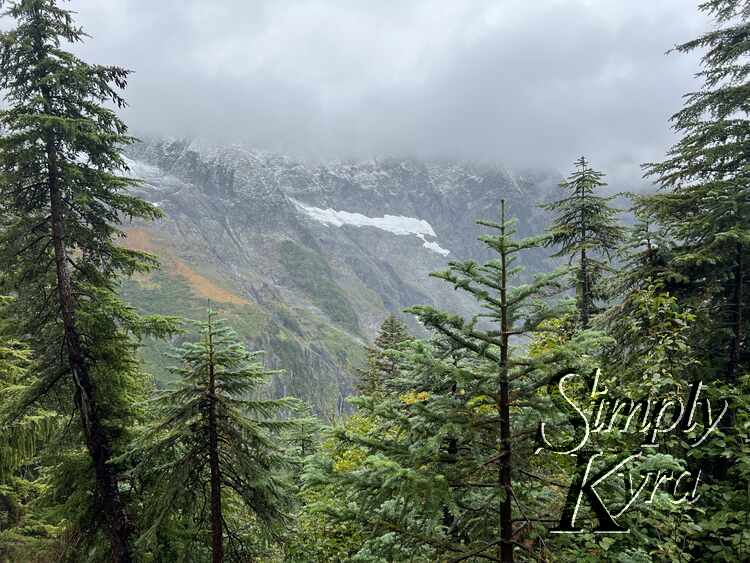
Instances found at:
x=306 y=260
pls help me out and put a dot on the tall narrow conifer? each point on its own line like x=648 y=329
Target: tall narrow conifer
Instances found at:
x=704 y=201
x=586 y=231
x=63 y=195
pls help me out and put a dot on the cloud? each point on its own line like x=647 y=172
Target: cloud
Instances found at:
x=523 y=83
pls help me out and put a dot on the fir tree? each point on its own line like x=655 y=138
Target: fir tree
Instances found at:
x=435 y=469
x=585 y=229
x=514 y=311
x=63 y=196
x=703 y=206
x=382 y=367
x=214 y=444
x=704 y=202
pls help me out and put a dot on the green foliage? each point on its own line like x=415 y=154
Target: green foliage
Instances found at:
x=309 y=272
x=217 y=375
x=704 y=207
x=419 y=472
x=64 y=194
x=441 y=460
x=382 y=365
x=22 y=440
x=585 y=229
x=704 y=202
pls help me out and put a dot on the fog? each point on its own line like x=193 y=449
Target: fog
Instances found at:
x=526 y=84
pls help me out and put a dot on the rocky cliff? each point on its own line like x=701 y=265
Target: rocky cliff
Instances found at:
x=306 y=260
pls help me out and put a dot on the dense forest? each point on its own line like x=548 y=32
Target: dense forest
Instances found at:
x=597 y=412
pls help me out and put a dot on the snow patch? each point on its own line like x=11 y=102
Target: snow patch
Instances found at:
x=435 y=247
x=396 y=224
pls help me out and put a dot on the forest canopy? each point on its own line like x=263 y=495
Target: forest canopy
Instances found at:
x=594 y=410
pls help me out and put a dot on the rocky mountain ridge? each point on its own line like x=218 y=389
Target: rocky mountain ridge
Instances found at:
x=307 y=260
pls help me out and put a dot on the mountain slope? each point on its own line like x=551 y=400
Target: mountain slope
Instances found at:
x=306 y=261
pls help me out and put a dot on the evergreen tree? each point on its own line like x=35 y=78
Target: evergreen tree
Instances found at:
x=645 y=255
x=704 y=203
x=585 y=229
x=645 y=262
x=514 y=312
x=63 y=196
x=382 y=367
x=438 y=468
x=20 y=445
x=214 y=444
x=703 y=206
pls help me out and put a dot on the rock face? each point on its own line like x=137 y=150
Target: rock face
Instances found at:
x=306 y=261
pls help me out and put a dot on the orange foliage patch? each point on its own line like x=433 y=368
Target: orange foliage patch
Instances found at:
x=141 y=239
x=205 y=287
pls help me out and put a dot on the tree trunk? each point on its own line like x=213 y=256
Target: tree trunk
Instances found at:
x=506 y=508
x=217 y=540
x=736 y=345
x=97 y=440
x=452 y=451
x=735 y=348
x=585 y=290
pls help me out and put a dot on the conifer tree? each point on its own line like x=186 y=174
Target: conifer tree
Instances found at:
x=704 y=202
x=63 y=196
x=515 y=312
x=585 y=229
x=703 y=206
x=382 y=367
x=435 y=469
x=645 y=255
x=20 y=444
x=213 y=443
x=44 y=474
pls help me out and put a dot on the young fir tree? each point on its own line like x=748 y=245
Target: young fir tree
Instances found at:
x=382 y=367
x=63 y=196
x=213 y=445
x=704 y=202
x=435 y=470
x=585 y=230
x=513 y=312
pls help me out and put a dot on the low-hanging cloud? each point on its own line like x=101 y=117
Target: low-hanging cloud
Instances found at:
x=518 y=82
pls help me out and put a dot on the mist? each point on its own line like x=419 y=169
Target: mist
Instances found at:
x=526 y=84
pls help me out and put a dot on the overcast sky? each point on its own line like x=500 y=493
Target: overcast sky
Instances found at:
x=520 y=82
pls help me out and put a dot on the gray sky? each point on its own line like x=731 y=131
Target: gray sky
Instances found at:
x=523 y=82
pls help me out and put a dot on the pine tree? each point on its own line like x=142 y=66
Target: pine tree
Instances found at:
x=214 y=443
x=704 y=202
x=586 y=230
x=63 y=196
x=382 y=367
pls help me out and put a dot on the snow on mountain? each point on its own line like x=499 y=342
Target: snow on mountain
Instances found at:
x=282 y=247
x=435 y=247
x=396 y=224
